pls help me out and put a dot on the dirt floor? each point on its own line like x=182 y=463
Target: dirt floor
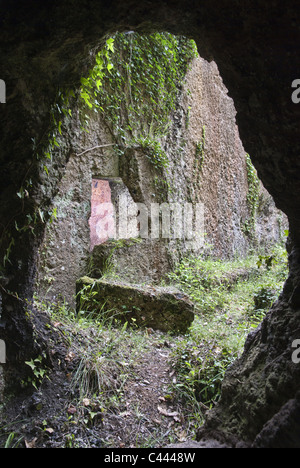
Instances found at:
x=144 y=414
x=147 y=418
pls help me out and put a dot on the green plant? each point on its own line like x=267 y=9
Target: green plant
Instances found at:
x=226 y=295
x=144 y=79
x=70 y=441
x=267 y=260
x=11 y=441
x=90 y=86
x=200 y=148
x=39 y=372
x=264 y=298
x=86 y=299
x=200 y=279
x=153 y=151
x=140 y=92
x=252 y=197
x=210 y=377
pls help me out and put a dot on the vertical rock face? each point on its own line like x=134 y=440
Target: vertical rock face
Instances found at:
x=204 y=164
x=209 y=157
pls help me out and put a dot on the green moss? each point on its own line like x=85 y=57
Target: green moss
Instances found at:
x=252 y=198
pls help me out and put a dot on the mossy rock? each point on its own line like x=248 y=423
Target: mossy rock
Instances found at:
x=154 y=307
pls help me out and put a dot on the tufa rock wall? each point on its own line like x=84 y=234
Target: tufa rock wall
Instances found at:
x=205 y=164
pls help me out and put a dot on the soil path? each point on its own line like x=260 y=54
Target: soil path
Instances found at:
x=149 y=418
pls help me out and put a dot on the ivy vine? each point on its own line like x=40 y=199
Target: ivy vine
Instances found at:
x=134 y=84
x=30 y=217
x=200 y=148
x=141 y=90
x=252 y=197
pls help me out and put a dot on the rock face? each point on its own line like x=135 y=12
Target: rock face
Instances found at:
x=206 y=166
x=133 y=260
x=46 y=46
x=146 y=306
x=283 y=429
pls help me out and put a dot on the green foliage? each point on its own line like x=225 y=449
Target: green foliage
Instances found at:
x=200 y=147
x=231 y=299
x=264 y=298
x=252 y=197
x=201 y=278
x=11 y=441
x=200 y=377
x=86 y=299
x=91 y=85
x=153 y=151
x=267 y=260
x=139 y=94
x=39 y=372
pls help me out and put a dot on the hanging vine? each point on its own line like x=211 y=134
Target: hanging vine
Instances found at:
x=134 y=84
x=30 y=216
x=252 y=197
x=140 y=93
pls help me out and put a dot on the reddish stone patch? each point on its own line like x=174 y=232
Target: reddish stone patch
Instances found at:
x=102 y=220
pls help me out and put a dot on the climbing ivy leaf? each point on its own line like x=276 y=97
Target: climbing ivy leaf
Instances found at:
x=110 y=44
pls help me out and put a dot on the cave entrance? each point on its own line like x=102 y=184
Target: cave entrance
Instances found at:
x=187 y=164
x=258 y=117
x=160 y=158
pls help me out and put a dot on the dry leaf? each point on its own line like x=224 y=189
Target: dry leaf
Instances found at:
x=30 y=444
x=49 y=430
x=70 y=356
x=124 y=414
x=72 y=409
x=164 y=412
x=57 y=324
x=157 y=421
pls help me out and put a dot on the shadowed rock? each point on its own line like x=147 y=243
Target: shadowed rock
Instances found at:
x=145 y=306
